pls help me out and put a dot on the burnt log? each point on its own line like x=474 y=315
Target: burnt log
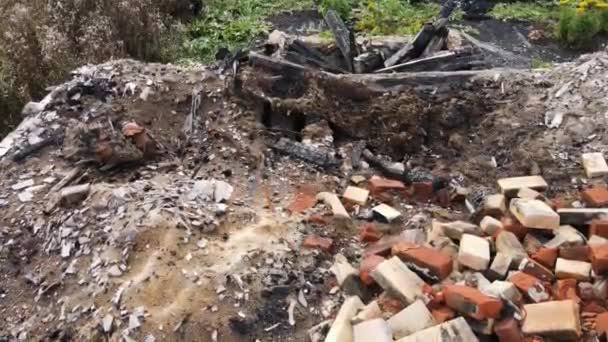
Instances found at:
x=367 y=62
x=343 y=36
x=299 y=52
x=309 y=154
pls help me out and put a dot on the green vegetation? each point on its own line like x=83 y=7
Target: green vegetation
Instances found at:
x=343 y=7
x=395 y=17
x=538 y=63
x=538 y=12
x=581 y=21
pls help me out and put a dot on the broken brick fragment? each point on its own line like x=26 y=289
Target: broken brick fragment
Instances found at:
x=599 y=259
x=579 y=253
x=532 y=287
x=599 y=227
x=443 y=197
x=601 y=324
x=512 y=225
x=595 y=197
x=378 y=185
x=472 y=302
x=305 y=198
x=594 y=307
x=508 y=330
x=423 y=191
x=429 y=262
x=317 y=242
x=537 y=270
x=566 y=289
x=367 y=265
x=369 y=233
x=546 y=256
x=443 y=314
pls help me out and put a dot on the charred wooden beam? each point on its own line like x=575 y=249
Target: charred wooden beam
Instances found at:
x=343 y=36
x=301 y=53
x=368 y=62
x=306 y=153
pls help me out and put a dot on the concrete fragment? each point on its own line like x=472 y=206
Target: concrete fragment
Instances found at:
x=342 y=330
x=454 y=330
x=387 y=213
x=74 y=194
x=410 y=320
x=511 y=186
x=508 y=244
x=474 y=252
x=489 y=225
x=398 y=280
x=594 y=164
x=332 y=201
x=373 y=330
x=370 y=311
x=579 y=270
x=222 y=192
x=23 y=185
x=472 y=302
x=557 y=319
x=356 y=195
x=455 y=230
x=504 y=290
x=500 y=266
x=106 y=323
x=534 y=214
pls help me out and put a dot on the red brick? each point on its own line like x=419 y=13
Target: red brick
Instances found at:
x=528 y=284
x=384 y=245
x=593 y=306
x=546 y=256
x=580 y=253
x=369 y=233
x=508 y=330
x=537 y=270
x=599 y=227
x=434 y=299
x=601 y=324
x=438 y=264
x=443 y=197
x=443 y=314
x=423 y=191
x=599 y=259
x=306 y=198
x=595 y=197
x=317 y=242
x=378 y=184
x=511 y=224
x=472 y=302
x=367 y=265
x=566 y=289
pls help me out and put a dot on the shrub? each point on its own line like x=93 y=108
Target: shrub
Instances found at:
x=581 y=21
x=343 y=7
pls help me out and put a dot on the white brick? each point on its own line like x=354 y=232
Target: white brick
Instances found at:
x=356 y=195
x=504 y=290
x=579 y=270
x=490 y=225
x=511 y=186
x=394 y=277
x=557 y=319
x=387 y=212
x=332 y=201
x=495 y=204
x=455 y=330
x=507 y=243
x=565 y=235
x=596 y=240
x=342 y=330
x=376 y=330
x=500 y=266
x=534 y=214
x=474 y=252
x=528 y=193
x=410 y=320
x=370 y=311
x=594 y=165
x=454 y=230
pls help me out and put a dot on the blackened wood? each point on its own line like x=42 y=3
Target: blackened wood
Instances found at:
x=342 y=35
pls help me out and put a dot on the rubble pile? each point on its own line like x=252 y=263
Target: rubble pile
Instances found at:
x=287 y=200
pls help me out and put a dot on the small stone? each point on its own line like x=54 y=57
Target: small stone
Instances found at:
x=511 y=186
x=474 y=252
x=25 y=196
x=202 y=243
x=387 y=213
x=134 y=322
x=114 y=271
x=534 y=214
x=356 y=195
x=490 y=225
x=222 y=191
x=397 y=279
x=357 y=179
x=74 y=194
x=410 y=320
x=23 y=185
x=572 y=269
x=107 y=323
x=553 y=319
x=472 y=302
x=594 y=165
x=342 y=329
x=373 y=330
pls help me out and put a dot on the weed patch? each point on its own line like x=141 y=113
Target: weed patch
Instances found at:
x=544 y=13
x=581 y=21
x=385 y=17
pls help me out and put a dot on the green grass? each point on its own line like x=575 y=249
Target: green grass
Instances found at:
x=538 y=63
x=232 y=24
x=538 y=12
x=384 y=17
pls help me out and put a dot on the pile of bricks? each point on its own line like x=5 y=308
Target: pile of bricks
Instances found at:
x=529 y=269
